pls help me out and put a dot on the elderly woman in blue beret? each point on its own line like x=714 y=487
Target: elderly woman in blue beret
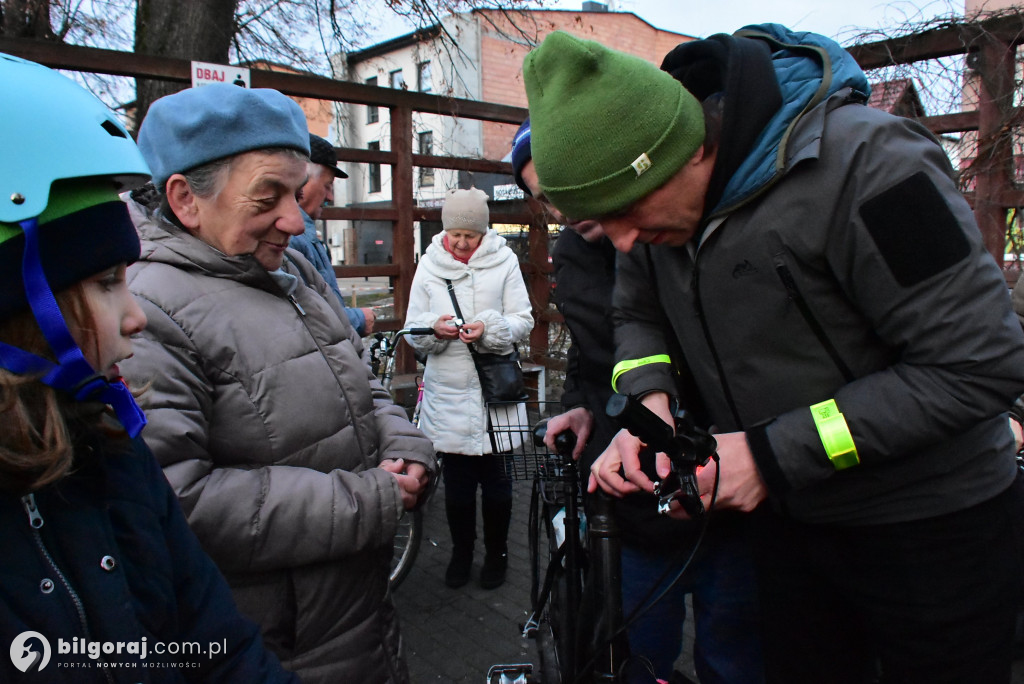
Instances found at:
x=289 y=459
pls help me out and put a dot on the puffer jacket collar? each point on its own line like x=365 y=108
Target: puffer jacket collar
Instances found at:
x=443 y=265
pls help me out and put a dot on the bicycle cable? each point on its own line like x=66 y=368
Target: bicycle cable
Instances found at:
x=647 y=603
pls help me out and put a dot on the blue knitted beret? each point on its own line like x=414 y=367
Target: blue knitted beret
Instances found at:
x=200 y=125
x=521 y=154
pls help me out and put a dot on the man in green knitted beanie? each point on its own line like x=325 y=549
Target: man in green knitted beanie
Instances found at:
x=607 y=128
x=807 y=266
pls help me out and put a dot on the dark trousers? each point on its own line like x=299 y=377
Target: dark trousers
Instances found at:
x=929 y=600
x=721 y=579
x=462 y=475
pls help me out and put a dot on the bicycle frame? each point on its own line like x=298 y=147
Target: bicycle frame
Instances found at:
x=598 y=657
x=598 y=604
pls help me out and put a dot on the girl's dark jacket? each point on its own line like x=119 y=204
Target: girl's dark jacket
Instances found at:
x=110 y=559
x=841 y=263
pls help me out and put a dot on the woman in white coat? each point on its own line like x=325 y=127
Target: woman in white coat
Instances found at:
x=492 y=297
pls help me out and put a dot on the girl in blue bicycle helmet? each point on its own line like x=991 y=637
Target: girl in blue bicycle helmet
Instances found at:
x=101 y=578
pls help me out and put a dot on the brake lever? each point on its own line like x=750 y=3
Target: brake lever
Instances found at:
x=687 y=448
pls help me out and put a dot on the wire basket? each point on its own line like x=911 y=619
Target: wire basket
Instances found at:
x=510 y=427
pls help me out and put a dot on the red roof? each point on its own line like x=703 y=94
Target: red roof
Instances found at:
x=898 y=97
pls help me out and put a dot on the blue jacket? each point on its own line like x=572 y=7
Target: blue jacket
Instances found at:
x=309 y=245
x=111 y=560
x=804 y=84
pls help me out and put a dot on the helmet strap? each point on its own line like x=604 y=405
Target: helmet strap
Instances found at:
x=72 y=372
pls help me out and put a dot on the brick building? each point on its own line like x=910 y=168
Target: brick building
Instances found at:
x=481 y=59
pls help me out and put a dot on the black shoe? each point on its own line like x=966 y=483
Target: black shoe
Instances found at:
x=457 y=574
x=492 y=575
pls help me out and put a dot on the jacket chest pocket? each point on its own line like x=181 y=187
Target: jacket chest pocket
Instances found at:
x=798 y=299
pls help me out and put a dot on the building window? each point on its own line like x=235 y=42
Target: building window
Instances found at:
x=398 y=80
x=372 y=111
x=423 y=81
x=426 y=142
x=374 y=168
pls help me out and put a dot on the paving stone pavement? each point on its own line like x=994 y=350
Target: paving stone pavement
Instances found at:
x=455 y=635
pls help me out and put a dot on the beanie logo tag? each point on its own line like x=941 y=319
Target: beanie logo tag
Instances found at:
x=642 y=163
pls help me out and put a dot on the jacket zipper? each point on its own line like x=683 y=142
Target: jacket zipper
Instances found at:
x=298 y=307
x=711 y=346
x=35 y=521
x=302 y=314
x=819 y=331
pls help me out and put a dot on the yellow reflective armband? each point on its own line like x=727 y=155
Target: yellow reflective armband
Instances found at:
x=624 y=366
x=835 y=435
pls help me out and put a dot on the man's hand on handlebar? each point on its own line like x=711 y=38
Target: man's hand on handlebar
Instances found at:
x=621 y=456
x=617 y=471
x=579 y=421
x=740 y=486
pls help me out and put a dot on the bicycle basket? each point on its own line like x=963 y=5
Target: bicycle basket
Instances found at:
x=510 y=429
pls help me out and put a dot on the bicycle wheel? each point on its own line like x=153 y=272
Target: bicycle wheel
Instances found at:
x=407 y=545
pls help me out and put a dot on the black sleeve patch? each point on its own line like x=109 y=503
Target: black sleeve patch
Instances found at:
x=914 y=230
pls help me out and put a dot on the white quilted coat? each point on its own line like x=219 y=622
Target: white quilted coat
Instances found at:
x=490 y=289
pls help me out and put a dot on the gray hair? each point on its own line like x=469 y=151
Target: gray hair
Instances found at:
x=207 y=180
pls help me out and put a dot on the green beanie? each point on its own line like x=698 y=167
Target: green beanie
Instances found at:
x=607 y=128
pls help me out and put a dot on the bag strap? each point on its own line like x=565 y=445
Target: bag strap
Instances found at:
x=451 y=293
x=458 y=311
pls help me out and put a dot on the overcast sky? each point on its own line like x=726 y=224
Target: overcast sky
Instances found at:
x=839 y=19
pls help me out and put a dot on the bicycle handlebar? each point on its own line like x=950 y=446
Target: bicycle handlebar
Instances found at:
x=565 y=441
x=416 y=331
x=686 y=447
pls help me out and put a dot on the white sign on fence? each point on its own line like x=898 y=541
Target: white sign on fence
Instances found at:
x=508 y=192
x=205 y=73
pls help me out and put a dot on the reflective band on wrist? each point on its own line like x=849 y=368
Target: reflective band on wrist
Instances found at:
x=835 y=435
x=624 y=366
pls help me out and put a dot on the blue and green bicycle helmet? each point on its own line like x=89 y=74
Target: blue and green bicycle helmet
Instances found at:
x=66 y=158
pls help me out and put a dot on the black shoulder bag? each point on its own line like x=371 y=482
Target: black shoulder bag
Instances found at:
x=501 y=375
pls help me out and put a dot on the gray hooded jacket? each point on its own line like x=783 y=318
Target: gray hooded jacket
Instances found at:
x=854 y=271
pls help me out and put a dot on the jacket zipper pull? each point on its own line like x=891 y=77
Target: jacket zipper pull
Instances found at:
x=35 y=520
x=298 y=307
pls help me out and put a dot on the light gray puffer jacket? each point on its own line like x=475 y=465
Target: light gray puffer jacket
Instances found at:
x=269 y=426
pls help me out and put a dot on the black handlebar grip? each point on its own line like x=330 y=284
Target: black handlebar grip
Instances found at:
x=640 y=421
x=420 y=331
x=540 y=431
x=565 y=441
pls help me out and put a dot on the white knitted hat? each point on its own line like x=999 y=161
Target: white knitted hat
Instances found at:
x=465 y=210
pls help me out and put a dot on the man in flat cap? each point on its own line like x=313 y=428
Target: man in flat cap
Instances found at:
x=316 y=193
x=845 y=327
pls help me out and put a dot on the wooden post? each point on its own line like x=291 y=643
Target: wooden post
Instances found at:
x=403 y=244
x=995 y=66
x=538 y=284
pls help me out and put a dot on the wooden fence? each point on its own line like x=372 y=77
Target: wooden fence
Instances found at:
x=990 y=46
